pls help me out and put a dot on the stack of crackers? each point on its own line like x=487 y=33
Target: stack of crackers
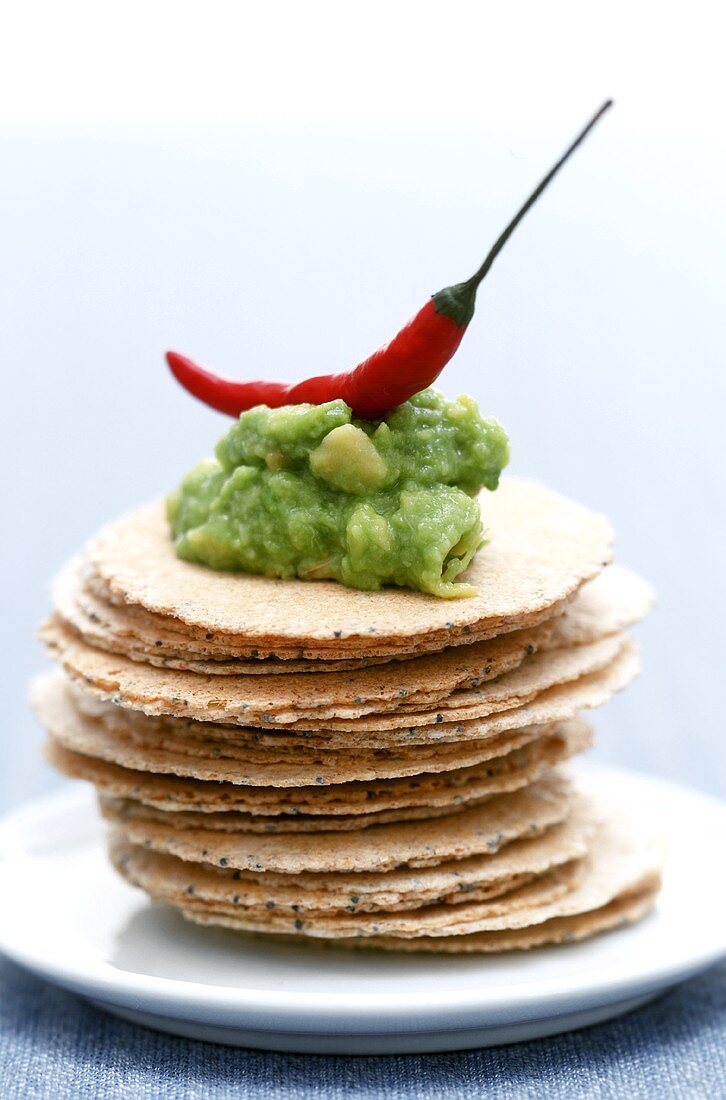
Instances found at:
x=371 y=768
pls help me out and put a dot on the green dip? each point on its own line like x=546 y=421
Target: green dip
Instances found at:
x=310 y=491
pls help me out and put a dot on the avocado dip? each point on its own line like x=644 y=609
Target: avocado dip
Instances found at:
x=313 y=492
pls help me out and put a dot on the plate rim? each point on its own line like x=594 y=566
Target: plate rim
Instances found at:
x=340 y=1012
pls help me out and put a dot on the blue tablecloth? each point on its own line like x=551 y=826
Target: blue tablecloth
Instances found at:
x=53 y=1045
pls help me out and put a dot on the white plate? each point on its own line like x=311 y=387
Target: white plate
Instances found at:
x=66 y=916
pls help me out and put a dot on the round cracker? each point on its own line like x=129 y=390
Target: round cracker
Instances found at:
x=543 y=889
x=542 y=548
x=379 y=687
x=560 y=701
x=171 y=879
x=134 y=864
x=379 y=650
x=116 y=809
x=196 y=804
x=300 y=700
x=118 y=629
x=143 y=744
x=611 y=601
x=626 y=909
x=510 y=771
x=622 y=858
x=472 y=831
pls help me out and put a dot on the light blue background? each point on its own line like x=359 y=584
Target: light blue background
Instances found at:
x=599 y=342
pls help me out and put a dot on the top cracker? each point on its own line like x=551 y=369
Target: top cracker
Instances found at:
x=542 y=548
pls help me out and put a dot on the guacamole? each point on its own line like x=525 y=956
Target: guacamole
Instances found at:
x=313 y=492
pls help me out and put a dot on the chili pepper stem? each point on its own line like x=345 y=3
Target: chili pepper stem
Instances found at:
x=457 y=302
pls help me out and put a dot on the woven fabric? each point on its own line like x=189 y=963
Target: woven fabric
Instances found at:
x=53 y=1045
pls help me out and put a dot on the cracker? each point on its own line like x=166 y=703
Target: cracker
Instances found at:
x=556 y=705
x=509 y=898
x=622 y=859
x=299 y=699
x=161 y=878
x=120 y=630
x=172 y=879
x=552 y=704
x=126 y=794
x=608 y=603
x=542 y=548
x=265 y=760
x=472 y=831
x=535 y=675
x=116 y=808
x=143 y=745
x=508 y=772
x=378 y=687
x=626 y=909
x=544 y=889
x=616 y=599
x=356 y=651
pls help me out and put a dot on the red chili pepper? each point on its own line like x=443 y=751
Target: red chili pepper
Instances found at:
x=398 y=370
